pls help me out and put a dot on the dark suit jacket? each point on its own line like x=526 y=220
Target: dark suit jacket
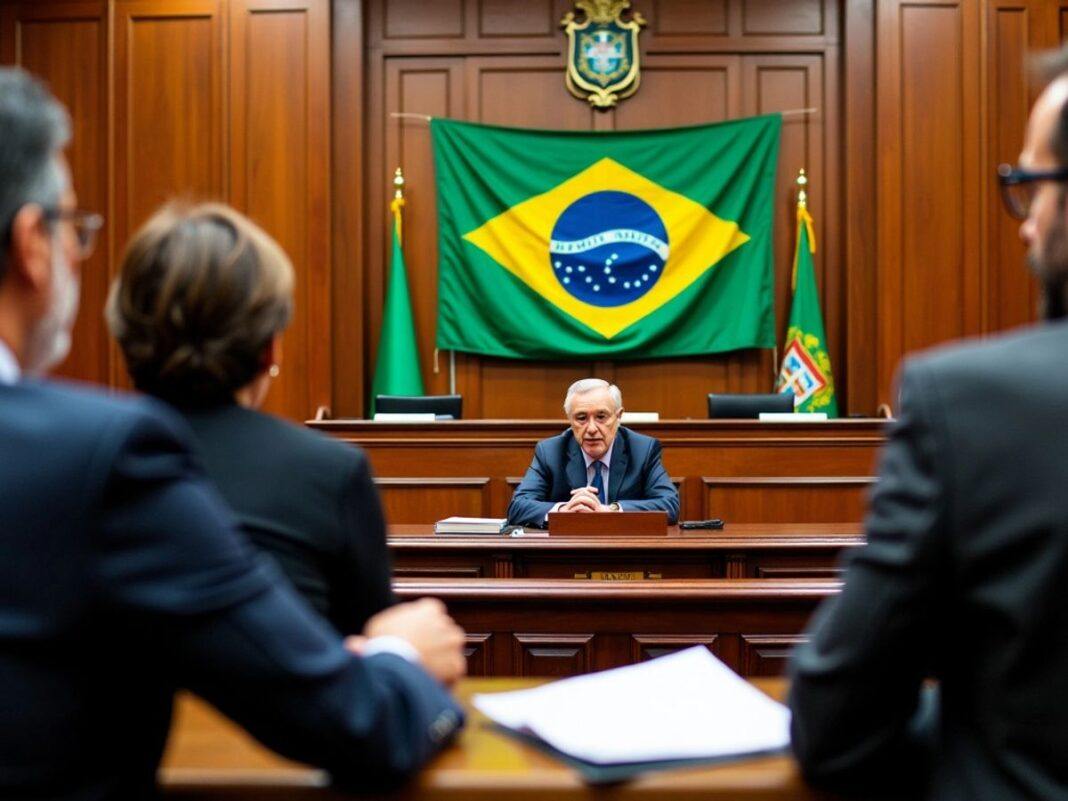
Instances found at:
x=964 y=578
x=308 y=501
x=636 y=478
x=122 y=577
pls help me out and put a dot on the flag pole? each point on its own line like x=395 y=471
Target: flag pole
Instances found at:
x=398 y=200
x=413 y=115
x=397 y=365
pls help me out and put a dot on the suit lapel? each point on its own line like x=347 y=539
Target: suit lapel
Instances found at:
x=576 y=465
x=620 y=457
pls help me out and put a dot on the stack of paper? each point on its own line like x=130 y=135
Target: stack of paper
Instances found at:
x=471 y=525
x=685 y=706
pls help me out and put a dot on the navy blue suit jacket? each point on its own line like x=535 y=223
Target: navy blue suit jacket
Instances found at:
x=636 y=478
x=122 y=578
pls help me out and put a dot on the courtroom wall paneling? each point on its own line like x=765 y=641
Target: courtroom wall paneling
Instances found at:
x=928 y=164
x=1011 y=300
x=501 y=63
x=170 y=120
x=196 y=100
x=280 y=172
x=859 y=300
x=349 y=169
x=1015 y=29
x=766 y=17
x=67 y=45
x=688 y=19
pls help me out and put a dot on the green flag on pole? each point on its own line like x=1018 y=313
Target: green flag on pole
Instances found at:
x=397 y=368
x=806 y=364
x=579 y=244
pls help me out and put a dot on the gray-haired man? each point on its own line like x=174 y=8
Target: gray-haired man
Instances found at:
x=595 y=466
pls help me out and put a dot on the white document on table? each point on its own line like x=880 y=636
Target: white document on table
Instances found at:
x=686 y=705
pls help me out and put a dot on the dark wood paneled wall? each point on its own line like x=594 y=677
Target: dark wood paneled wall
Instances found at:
x=196 y=100
x=282 y=108
x=68 y=43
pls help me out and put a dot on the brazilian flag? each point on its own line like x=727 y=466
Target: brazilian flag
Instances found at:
x=636 y=244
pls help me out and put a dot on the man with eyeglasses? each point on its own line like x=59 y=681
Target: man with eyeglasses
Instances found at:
x=964 y=580
x=122 y=575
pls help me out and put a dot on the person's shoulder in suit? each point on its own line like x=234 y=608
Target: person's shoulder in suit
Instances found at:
x=262 y=462
x=553 y=450
x=639 y=444
x=995 y=359
x=307 y=500
x=1011 y=379
x=64 y=416
x=289 y=441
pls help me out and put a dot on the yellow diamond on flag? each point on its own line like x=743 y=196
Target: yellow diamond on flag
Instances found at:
x=682 y=238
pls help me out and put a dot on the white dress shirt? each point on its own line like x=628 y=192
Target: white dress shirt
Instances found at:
x=10 y=372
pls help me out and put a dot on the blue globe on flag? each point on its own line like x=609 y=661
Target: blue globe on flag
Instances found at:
x=608 y=248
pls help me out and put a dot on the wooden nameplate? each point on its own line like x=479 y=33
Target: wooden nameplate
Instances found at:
x=615 y=524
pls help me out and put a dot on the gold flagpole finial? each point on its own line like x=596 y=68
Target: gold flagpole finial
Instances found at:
x=802 y=193
x=398 y=199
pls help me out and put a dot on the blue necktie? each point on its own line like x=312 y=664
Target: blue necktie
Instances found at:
x=598 y=483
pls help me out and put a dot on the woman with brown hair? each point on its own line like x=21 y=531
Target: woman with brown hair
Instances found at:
x=198 y=309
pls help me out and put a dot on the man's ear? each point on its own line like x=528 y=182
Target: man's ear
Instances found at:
x=29 y=250
x=272 y=352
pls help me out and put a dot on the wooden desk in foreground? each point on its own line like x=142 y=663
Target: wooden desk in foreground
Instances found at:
x=755 y=550
x=564 y=627
x=210 y=759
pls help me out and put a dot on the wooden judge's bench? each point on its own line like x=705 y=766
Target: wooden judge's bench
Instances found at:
x=792 y=496
x=742 y=471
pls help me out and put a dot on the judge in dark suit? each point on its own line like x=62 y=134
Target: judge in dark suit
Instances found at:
x=596 y=466
x=198 y=309
x=122 y=576
x=965 y=575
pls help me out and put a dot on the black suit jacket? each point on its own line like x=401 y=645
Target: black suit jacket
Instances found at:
x=965 y=579
x=308 y=501
x=122 y=577
x=636 y=477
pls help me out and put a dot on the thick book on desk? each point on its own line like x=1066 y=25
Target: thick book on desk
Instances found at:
x=471 y=525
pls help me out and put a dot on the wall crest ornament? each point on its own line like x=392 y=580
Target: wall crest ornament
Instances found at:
x=603 y=60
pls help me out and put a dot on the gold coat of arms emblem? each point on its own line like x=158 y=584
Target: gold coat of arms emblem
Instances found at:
x=603 y=60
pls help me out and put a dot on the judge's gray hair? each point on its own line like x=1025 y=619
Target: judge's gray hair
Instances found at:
x=584 y=385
